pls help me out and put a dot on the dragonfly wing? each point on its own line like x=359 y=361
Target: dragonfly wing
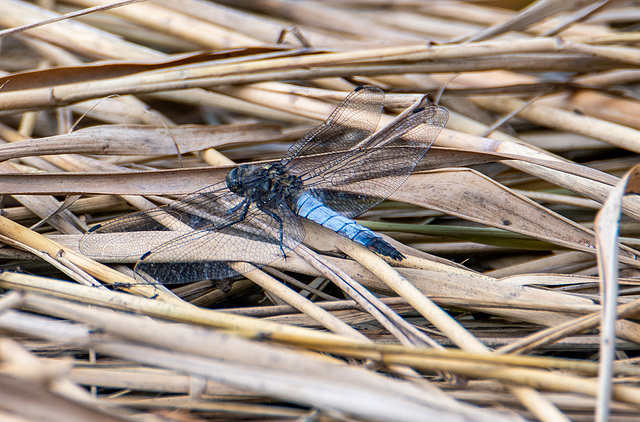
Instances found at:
x=354 y=183
x=216 y=253
x=195 y=236
x=352 y=121
x=134 y=234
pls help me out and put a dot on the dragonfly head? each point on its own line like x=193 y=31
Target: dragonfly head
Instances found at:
x=235 y=179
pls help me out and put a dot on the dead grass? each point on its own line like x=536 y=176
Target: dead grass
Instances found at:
x=496 y=312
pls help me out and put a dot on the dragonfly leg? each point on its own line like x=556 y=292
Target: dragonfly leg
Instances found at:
x=281 y=224
x=243 y=214
x=243 y=204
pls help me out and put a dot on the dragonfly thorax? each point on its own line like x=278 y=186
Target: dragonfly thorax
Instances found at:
x=260 y=183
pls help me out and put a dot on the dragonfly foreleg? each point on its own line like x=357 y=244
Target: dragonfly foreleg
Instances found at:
x=245 y=204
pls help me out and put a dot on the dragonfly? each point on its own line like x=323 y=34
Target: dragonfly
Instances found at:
x=337 y=171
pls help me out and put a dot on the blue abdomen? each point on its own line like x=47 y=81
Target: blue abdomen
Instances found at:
x=311 y=208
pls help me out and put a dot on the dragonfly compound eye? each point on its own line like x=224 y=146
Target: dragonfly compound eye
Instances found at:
x=234 y=179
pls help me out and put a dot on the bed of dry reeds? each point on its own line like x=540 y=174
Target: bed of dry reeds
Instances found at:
x=519 y=296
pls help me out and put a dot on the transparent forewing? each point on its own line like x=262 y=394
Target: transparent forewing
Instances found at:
x=357 y=181
x=134 y=234
x=216 y=254
x=353 y=120
x=196 y=235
